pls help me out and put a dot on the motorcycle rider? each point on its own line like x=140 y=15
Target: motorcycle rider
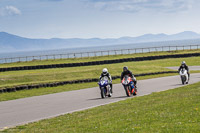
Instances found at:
x=183 y=65
x=105 y=73
x=129 y=73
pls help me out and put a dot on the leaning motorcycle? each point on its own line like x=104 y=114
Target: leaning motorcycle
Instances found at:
x=126 y=82
x=105 y=87
x=184 y=76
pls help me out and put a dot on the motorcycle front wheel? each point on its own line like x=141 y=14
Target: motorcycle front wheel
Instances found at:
x=183 y=79
x=103 y=95
x=128 y=93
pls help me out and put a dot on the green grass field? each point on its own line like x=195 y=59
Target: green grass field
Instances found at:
x=100 y=58
x=176 y=110
x=14 y=78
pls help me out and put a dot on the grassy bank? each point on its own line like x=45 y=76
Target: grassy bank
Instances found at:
x=14 y=78
x=100 y=58
x=176 y=110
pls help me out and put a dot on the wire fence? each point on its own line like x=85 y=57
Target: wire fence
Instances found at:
x=98 y=53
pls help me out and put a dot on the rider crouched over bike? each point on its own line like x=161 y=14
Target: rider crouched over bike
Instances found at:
x=105 y=73
x=130 y=74
x=184 y=66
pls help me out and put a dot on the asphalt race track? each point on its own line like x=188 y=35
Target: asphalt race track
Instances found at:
x=22 y=111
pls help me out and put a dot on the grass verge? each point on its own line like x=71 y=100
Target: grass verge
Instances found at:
x=176 y=110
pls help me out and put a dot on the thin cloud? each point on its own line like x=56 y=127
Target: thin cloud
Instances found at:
x=142 y=5
x=9 y=11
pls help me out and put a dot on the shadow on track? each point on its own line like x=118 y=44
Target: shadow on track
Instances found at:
x=177 y=84
x=119 y=97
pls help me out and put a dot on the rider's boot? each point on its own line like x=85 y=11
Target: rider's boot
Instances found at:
x=188 y=78
x=111 y=90
x=132 y=87
x=135 y=83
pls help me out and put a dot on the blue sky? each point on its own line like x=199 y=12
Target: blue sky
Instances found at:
x=98 y=18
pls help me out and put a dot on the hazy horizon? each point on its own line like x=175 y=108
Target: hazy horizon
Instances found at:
x=100 y=37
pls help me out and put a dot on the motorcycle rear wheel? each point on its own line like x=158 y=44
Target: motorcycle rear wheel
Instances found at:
x=110 y=91
x=135 y=92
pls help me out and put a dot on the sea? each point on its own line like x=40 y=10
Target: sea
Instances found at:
x=71 y=51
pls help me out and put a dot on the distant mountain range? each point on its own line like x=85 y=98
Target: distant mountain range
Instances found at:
x=12 y=43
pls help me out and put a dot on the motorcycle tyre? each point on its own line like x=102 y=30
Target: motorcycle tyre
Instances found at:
x=183 y=80
x=103 y=95
x=128 y=93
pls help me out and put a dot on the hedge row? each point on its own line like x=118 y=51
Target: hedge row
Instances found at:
x=28 y=87
x=98 y=62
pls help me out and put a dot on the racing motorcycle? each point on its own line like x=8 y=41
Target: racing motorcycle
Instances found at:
x=105 y=87
x=184 y=76
x=126 y=82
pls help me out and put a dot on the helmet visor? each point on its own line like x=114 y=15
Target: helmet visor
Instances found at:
x=125 y=69
x=104 y=73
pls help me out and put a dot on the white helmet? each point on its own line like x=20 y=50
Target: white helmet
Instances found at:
x=105 y=71
x=183 y=63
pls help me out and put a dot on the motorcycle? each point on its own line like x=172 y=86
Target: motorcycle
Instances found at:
x=184 y=76
x=105 y=87
x=126 y=82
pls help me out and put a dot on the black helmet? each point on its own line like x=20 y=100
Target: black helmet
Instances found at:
x=125 y=68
